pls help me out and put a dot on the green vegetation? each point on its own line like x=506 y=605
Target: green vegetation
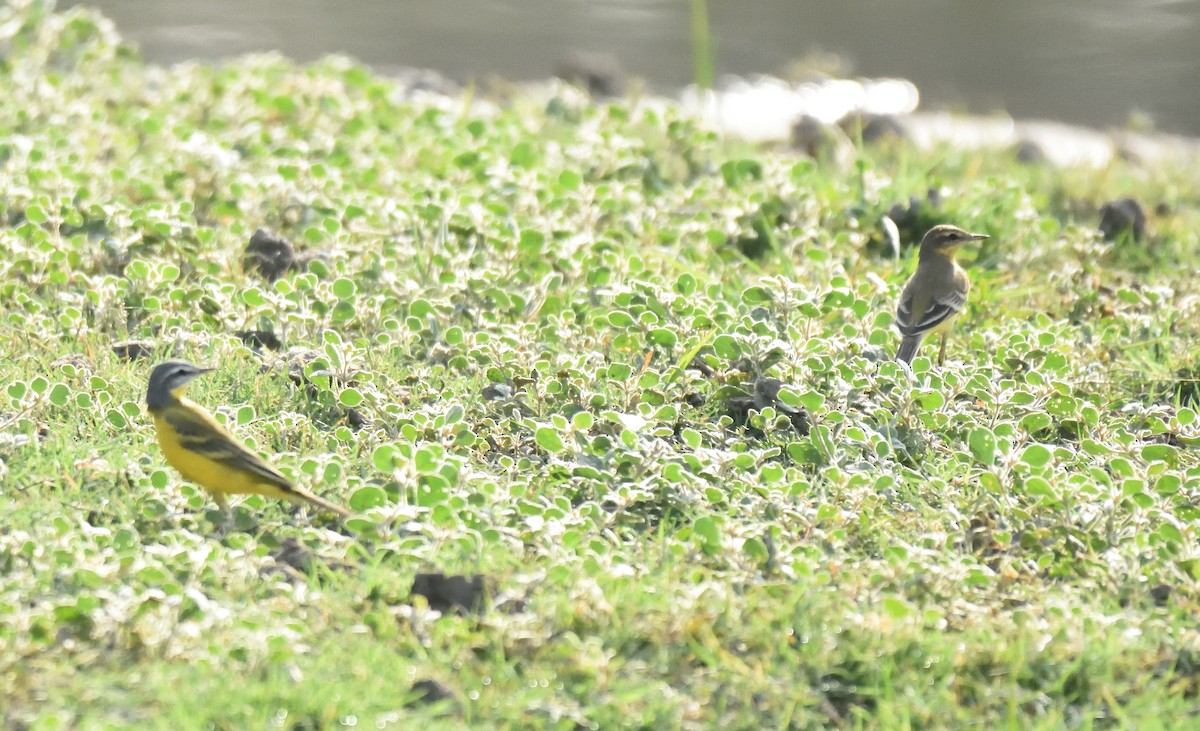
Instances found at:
x=532 y=342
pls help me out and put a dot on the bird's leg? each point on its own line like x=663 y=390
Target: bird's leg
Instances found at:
x=226 y=514
x=942 y=352
x=227 y=524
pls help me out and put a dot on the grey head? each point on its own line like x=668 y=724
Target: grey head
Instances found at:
x=945 y=239
x=168 y=381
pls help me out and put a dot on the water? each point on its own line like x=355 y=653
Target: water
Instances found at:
x=1093 y=62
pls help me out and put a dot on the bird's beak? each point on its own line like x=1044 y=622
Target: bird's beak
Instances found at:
x=199 y=372
x=977 y=237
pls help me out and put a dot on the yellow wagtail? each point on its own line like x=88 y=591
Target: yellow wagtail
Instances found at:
x=206 y=453
x=935 y=293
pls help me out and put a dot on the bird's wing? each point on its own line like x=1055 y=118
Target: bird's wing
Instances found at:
x=918 y=314
x=200 y=433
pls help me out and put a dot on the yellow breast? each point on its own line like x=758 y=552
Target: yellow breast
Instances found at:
x=215 y=477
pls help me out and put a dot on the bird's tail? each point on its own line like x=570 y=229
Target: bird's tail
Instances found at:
x=908 y=348
x=299 y=495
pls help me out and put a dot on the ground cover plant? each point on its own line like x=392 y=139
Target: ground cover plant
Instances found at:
x=633 y=376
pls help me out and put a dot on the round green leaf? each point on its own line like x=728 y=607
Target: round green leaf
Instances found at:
x=726 y=347
x=1036 y=456
x=983 y=445
x=365 y=498
x=384 y=458
x=350 y=397
x=549 y=440
x=931 y=400
x=344 y=288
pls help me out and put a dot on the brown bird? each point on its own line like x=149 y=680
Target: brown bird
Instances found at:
x=935 y=293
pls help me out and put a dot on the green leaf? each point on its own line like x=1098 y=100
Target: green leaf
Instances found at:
x=771 y=473
x=735 y=171
x=384 y=458
x=1036 y=456
x=727 y=347
x=350 y=397
x=756 y=550
x=522 y=155
x=897 y=608
x=420 y=308
x=428 y=459
x=245 y=415
x=1021 y=398
x=709 y=530
x=756 y=296
x=823 y=440
x=983 y=446
x=59 y=394
x=667 y=414
x=1168 y=484
x=663 y=337
x=1121 y=467
x=1062 y=406
x=549 y=440
x=569 y=180
x=1160 y=453
x=344 y=288
x=365 y=498
x=582 y=421
x=137 y=270
x=685 y=285
x=810 y=400
x=254 y=297
x=343 y=312
x=1168 y=533
x=1039 y=487
x=531 y=242
x=621 y=319
x=931 y=400
x=619 y=371
x=1036 y=422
